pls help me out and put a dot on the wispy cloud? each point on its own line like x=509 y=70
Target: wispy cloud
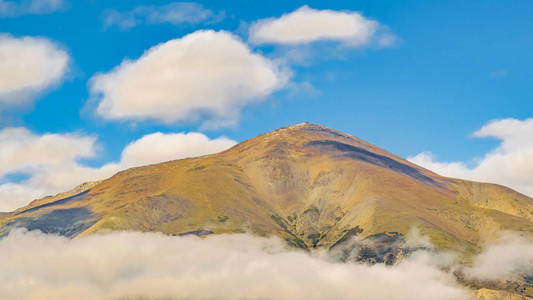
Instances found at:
x=499 y=73
x=29 y=7
x=174 y=13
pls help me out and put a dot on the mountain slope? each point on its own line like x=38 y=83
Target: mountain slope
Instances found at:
x=309 y=184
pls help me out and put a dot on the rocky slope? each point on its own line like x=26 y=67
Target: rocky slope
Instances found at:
x=487 y=294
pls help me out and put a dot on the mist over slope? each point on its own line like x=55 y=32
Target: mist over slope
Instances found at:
x=134 y=265
x=156 y=266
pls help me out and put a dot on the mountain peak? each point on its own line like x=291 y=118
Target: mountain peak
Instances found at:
x=298 y=133
x=306 y=126
x=292 y=138
x=298 y=137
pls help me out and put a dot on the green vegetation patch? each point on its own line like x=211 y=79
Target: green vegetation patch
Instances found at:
x=292 y=239
x=315 y=238
x=279 y=221
x=349 y=233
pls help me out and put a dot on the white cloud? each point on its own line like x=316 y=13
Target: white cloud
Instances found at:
x=29 y=65
x=510 y=164
x=159 y=147
x=51 y=160
x=149 y=265
x=29 y=7
x=306 y=25
x=204 y=74
x=173 y=13
x=20 y=149
x=449 y=169
x=510 y=256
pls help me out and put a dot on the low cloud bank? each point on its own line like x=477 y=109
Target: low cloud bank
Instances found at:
x=135 y=265
x=154 y=266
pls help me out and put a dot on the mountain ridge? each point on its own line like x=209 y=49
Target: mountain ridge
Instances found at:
x=305 y=170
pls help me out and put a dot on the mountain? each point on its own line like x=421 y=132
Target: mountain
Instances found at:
x=307 y=183
x=311 y=185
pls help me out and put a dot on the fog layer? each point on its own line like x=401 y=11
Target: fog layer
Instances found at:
x=154 y=266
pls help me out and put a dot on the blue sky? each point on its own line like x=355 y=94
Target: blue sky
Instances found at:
x=453 y=67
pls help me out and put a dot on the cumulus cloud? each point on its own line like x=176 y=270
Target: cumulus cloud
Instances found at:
x=158 y=147
x=29 y=65
x=21 y=149
x=51 y=161
x=510 y=256
x=174 y=13
x=206 y=73
x=149 y=265
x=306 y=25
x=29 y=7
x=509 y=164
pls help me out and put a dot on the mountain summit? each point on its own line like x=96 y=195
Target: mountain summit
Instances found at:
x=313 y=186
